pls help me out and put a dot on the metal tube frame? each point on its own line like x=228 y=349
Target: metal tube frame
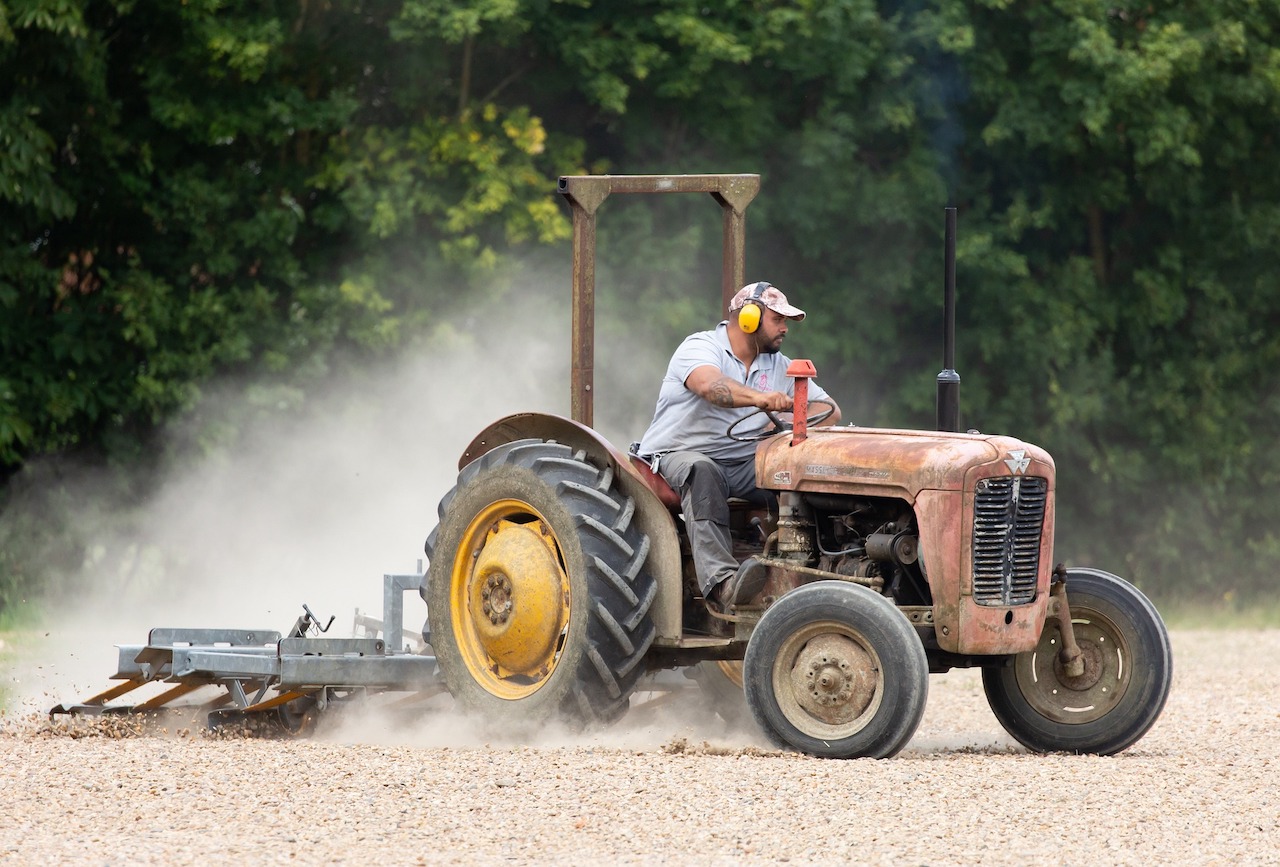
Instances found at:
x=585 y=194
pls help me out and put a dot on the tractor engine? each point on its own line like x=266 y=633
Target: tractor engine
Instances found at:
x=874 y=539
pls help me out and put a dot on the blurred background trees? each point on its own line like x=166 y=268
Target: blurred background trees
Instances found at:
x=220 y=189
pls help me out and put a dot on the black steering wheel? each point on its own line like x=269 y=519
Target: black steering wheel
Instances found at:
x=778 y=424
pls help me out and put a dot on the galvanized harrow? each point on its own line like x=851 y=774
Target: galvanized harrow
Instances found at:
x=260 y=674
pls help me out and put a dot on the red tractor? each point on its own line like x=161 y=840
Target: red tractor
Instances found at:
x=560 y=572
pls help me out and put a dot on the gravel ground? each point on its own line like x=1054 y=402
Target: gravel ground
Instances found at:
x=671 y=784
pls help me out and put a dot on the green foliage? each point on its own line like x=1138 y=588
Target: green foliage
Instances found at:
x=152 y=244
x=18 y=642
x=1113 y=159
x=458 y=175
x=215 y=189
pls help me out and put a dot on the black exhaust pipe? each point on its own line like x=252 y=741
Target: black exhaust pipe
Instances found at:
x=948 y=379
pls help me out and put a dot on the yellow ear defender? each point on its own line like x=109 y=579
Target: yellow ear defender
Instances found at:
x=752 y=309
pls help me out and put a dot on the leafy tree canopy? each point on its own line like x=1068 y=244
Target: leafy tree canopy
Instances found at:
x=217 y=187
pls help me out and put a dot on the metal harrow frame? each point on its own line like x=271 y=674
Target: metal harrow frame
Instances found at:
x=257 y=671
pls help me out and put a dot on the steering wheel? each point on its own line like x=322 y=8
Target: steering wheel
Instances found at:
x=778 y=424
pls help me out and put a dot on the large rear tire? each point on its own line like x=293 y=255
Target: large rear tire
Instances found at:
x=537 y=596
x=1128 y=672
x=835 y=670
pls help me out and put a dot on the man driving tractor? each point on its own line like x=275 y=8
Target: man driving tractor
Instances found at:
x=714 y=380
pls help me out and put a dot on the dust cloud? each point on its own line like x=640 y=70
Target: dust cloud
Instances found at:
x=666 y=707
x=317 y=508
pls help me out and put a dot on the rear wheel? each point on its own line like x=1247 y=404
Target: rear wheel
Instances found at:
x=835 y=670
x=1128 y=671
x=536 y=591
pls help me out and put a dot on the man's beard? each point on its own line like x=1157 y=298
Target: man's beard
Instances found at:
x=772 y=345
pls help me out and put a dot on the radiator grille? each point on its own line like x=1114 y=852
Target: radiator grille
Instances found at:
x=1008 y=519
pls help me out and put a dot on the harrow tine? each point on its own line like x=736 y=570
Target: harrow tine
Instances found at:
x=167 y=696
x=275 y=701
x=99 y=700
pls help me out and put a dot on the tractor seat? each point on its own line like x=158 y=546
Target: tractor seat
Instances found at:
x=656 y=483
x=667 y=494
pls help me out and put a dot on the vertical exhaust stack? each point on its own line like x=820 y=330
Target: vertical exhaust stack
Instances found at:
x=948 y=379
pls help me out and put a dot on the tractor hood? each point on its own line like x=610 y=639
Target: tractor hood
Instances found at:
x=890 y=462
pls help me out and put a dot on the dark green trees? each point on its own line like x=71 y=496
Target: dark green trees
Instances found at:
x=195 y=190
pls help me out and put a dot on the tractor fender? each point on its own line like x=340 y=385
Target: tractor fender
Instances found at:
x=652 y=516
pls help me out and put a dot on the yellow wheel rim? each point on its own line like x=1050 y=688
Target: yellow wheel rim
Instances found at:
x=509 y=599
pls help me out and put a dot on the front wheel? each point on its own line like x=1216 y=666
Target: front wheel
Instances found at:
x=836 y=671
x=1128 y=672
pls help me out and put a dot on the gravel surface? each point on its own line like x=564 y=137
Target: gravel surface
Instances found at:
x=670 y=784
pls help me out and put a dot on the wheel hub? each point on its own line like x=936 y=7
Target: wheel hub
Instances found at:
x=497 y=598
x=1107 y=672
x=1093 y=667
x=829 y=682
x=833 y=679
x=517 y=600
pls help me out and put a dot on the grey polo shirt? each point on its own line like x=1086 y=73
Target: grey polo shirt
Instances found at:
x=685 y=422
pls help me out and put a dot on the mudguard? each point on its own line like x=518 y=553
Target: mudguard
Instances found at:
x=652 y=516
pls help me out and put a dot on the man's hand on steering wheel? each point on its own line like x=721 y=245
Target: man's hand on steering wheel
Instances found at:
x=773 y=401
x=826 y=408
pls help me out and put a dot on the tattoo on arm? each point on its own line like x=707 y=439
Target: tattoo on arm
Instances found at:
x=720 y=394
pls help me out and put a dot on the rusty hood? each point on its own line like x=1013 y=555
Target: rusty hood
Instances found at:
x=891 y=462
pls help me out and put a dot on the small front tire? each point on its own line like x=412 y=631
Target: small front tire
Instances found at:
x=1128 y=672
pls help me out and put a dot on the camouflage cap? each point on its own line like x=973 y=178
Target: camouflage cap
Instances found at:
x=772 y=298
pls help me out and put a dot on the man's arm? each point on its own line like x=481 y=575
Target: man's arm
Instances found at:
x=709 y=383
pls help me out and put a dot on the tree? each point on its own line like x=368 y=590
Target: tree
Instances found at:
x=1118 y=164
x=222 y=188
x=185 y=185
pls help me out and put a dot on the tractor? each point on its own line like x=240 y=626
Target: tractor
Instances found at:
x=560 y=574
